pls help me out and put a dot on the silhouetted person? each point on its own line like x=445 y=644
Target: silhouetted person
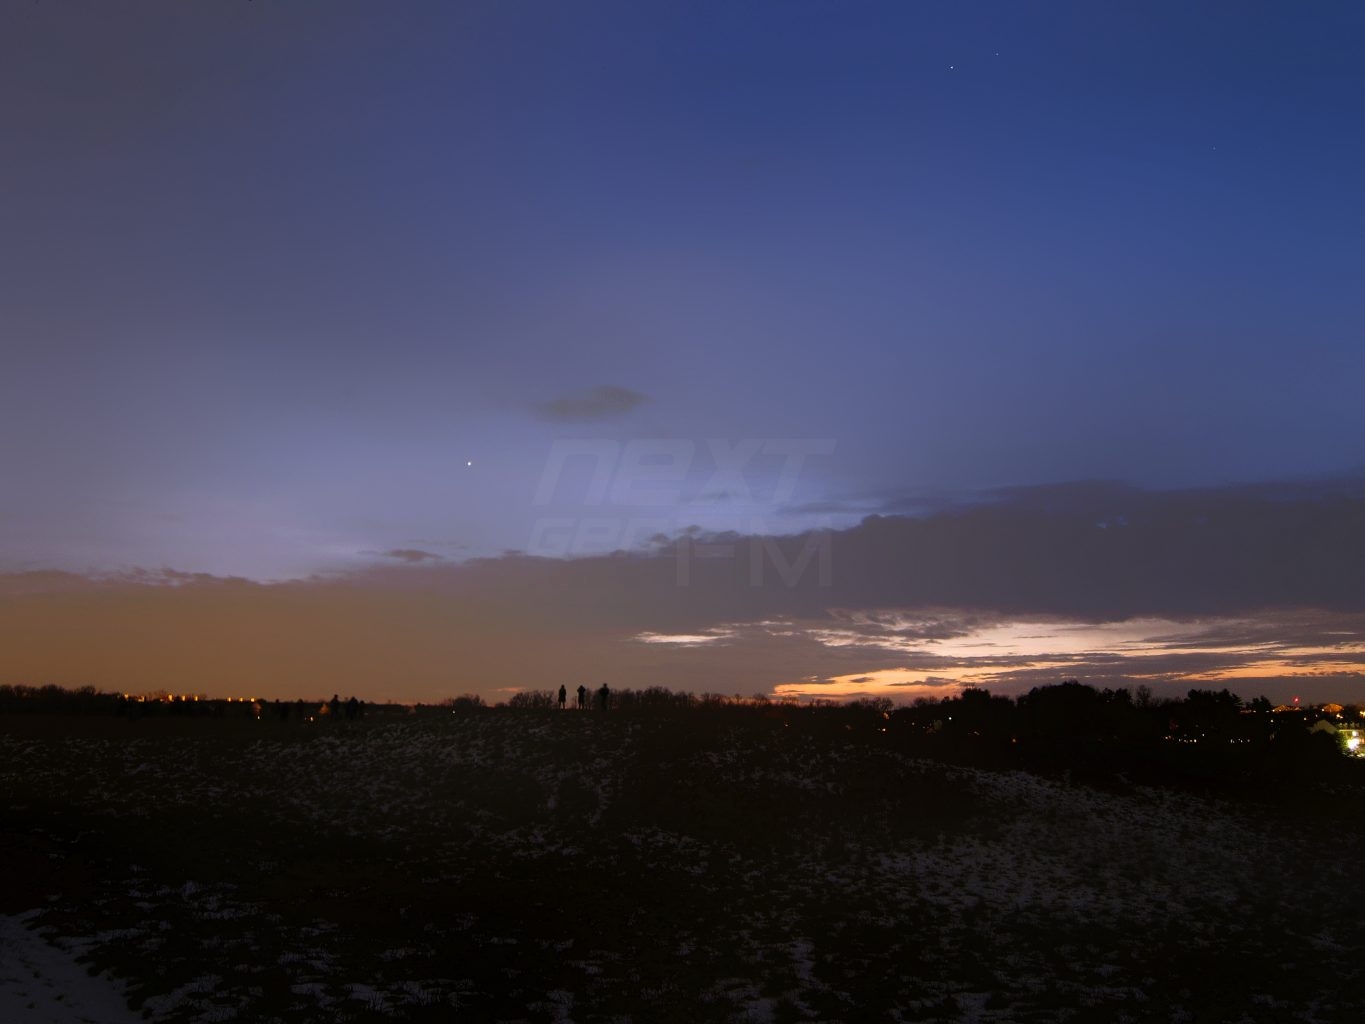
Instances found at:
x=603 y=697
x=563 y=696
x=352 y=709
x=582 y=696
x=334 y=706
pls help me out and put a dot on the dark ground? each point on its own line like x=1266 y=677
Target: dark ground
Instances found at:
x=709 y=865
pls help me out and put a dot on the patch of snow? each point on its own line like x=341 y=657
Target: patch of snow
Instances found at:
x=43 y=984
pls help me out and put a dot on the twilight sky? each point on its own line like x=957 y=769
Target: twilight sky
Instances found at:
x=344 y=342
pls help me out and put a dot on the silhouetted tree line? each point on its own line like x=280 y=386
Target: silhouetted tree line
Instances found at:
x=86 y=700
x=1207 y=737
x=652 y=699
x=57 y=700
x=603 y=698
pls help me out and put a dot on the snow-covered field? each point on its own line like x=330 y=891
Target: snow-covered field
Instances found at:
x=567 y=867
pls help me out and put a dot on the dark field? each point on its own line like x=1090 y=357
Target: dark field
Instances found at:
x=729 y=865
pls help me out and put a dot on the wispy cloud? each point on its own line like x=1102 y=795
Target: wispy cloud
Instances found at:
x=599 y=403
x=711 y=636
x=411 y=555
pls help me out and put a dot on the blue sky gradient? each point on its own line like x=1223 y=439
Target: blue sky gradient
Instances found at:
x=289 y=287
